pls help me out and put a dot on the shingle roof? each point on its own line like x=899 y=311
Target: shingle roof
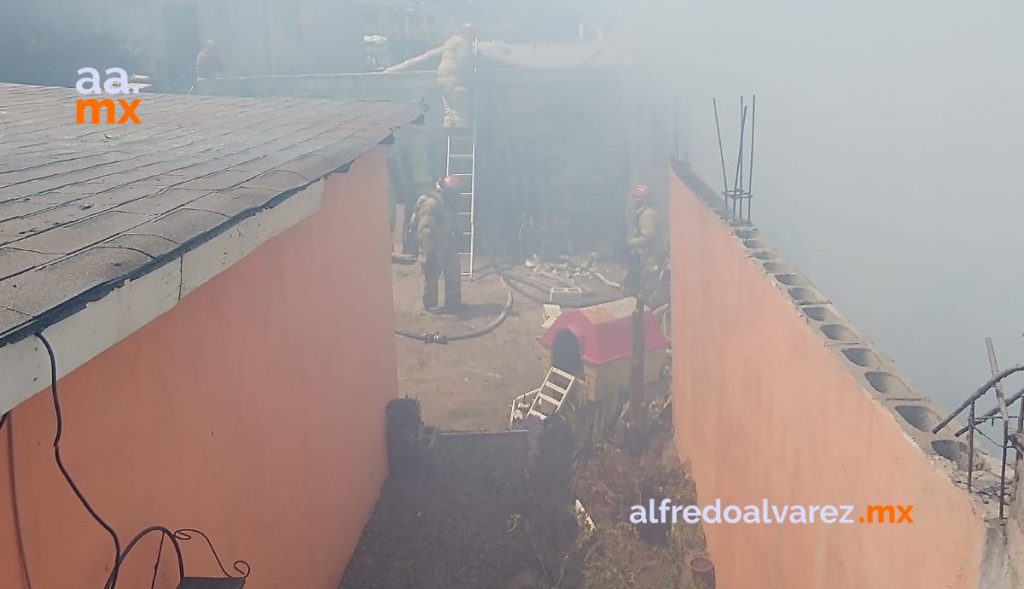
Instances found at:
x=83 y=207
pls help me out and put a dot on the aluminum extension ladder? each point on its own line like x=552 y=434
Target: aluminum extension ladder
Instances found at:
x=462 y=164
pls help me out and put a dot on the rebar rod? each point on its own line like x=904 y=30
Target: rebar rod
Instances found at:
x=753 y=119
x=721 y=152
x=978 y=393
x=737 y=182
x=970 y=450
x=993 y=364
x=1017 y=441
x=989 y=415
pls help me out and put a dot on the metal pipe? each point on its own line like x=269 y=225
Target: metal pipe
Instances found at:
x=974 y=397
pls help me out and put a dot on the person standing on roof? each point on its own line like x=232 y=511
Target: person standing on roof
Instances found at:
x=435 y=222
x=454 y=74
x=647 y=245
x=208 y=63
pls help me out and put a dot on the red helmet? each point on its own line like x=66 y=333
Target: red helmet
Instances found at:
x=448 y=183
x=641 y=192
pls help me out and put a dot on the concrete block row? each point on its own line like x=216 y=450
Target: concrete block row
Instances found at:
x=878 y=375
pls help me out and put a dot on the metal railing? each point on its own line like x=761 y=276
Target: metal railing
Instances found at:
x=1001 y=412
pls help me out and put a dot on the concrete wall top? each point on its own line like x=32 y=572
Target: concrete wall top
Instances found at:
x=402 y=86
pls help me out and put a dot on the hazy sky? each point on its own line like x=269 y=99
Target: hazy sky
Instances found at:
x=889 y=159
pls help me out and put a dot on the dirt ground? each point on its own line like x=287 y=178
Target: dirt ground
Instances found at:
x=447 y=523
x=469 y=384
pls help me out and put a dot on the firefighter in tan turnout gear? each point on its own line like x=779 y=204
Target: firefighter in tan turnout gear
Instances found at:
x=435 y=223
x=454 y=74
x=648 y=247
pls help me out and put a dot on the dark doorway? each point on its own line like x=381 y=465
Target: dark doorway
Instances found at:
x=565 y=353
x=182 y=43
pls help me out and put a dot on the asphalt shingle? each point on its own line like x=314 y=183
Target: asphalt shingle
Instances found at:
x=83 y=206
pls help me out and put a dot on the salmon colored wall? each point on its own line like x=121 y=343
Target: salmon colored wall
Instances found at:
x=764 y=411
x=253 y=410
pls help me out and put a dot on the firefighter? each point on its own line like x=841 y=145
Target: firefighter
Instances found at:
x=454 y=74
x=647 y=246
x=435 y=222
x=208 y=63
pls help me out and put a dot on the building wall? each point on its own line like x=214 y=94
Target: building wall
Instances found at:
x=551 y=143
x=253 y=410
x=253 y=37
x=766 y=409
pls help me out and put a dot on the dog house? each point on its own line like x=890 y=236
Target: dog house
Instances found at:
x=595 y=344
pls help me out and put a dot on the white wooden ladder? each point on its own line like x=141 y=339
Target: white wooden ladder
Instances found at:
x=553 y=392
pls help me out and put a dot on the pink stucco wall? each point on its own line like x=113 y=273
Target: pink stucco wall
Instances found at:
x=253 y=410
x=763 y=410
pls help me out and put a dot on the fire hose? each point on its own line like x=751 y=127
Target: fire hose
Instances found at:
x=516 y=284
x=440 y=338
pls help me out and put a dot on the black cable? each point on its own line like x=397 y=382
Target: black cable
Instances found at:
x=241 y=566
x=156 y=565
x=19 y=537
x=60 y=463
x=112 y=579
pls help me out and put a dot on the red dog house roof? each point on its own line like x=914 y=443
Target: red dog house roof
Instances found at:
x=605 y=332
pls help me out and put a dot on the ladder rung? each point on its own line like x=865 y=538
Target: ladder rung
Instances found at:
x=568 y=383
x=551 y=385
x=459 y=155
x=562 y=373
x=548 y=399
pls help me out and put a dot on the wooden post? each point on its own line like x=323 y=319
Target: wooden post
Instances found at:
x=636 y=424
